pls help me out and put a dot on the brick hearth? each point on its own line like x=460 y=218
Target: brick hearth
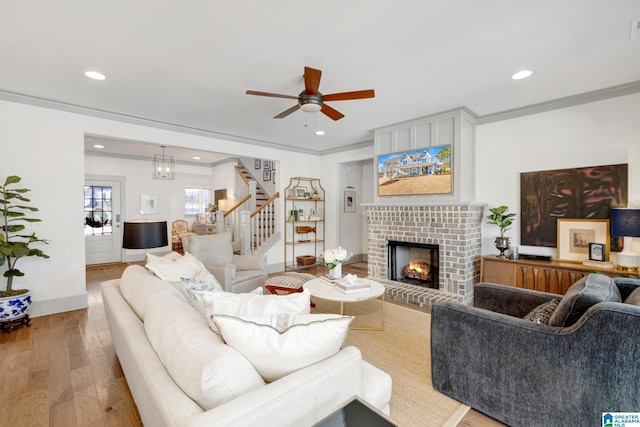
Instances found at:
x=455 y=227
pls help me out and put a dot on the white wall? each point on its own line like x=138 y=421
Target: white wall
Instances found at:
x=46 y=148
x=138 y=181
x=600 y=133
x=223 y=177
x=349 y=223
x=330 y=178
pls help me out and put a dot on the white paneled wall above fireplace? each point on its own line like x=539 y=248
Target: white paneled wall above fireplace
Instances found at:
x=456 y=128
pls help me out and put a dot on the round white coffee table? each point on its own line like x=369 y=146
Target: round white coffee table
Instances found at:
x=321 y=289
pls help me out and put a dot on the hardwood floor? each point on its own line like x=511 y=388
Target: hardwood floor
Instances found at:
x=63 y=371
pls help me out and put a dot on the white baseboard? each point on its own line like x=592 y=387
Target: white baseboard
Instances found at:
x=59 y=305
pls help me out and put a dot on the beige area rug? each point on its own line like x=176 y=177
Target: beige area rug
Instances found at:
x=402 y=350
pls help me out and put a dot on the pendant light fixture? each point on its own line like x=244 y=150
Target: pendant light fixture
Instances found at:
x=163 y=166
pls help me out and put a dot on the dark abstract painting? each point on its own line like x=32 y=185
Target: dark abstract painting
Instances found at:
x=587 y=193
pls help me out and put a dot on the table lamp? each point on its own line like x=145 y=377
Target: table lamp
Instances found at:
x=625 y=222
x=223 y=205
x=144 y=234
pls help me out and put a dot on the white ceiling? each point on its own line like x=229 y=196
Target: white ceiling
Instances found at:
x=189 y=63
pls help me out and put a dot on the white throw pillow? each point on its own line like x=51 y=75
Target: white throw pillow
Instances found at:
x=173 y=272
x=281 y=344
x=207 y=370
x=188 y=266
x=168 y=258
x=250 y=304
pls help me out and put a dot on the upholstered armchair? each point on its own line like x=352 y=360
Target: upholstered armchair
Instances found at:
x=236 y=273
x=179 y=229
x=516 y=358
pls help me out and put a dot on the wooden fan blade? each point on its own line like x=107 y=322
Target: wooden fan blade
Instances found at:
x=274 y=95
x=285 y=113
x=331 y=113
x=311 y=80
x=343 y=96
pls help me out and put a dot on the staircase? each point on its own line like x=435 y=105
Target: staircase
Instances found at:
x=253 y=218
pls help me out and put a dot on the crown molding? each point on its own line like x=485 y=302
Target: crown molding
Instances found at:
x=560 y=103
x=556 y=104
x=127 y=118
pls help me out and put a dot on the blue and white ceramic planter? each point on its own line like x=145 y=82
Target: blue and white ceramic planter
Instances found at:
x=14 y=307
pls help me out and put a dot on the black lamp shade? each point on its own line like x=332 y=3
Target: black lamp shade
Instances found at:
x=144 y=234
x=625 y=222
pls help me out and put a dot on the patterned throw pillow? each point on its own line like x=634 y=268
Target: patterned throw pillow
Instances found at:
x=542 y=313
x=189 y=286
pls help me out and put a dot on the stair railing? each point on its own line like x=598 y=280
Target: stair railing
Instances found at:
x=262 y=222
x=251 y=225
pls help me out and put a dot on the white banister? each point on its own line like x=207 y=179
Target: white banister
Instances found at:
x=219 y=222
x=245 y=227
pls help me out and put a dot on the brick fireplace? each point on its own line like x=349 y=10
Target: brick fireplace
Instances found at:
x=454 y=227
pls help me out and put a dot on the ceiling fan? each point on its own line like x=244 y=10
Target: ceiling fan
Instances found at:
x=312 y=101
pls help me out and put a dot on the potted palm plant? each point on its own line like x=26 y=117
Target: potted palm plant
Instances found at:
x=15 y=244
x=503 y=220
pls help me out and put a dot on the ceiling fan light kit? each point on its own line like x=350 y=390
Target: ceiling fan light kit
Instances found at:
x=311 y=100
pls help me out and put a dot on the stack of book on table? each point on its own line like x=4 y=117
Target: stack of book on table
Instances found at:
x=330 y=280
x=351 y=288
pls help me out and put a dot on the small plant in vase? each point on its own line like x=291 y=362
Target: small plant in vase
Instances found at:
x=334 y=258
x=14 y=245
x=503 y=220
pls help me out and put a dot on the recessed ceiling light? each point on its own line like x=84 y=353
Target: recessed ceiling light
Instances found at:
x=98 y=146
x=521 y=75
x=319 y=133
x=94 y=75
x=196 y=158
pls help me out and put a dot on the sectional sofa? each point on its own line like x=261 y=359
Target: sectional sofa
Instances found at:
x=180 y=373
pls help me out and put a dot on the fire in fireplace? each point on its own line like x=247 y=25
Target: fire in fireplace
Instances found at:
x=414 y=263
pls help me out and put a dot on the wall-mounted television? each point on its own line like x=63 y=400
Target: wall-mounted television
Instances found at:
x=423 y=171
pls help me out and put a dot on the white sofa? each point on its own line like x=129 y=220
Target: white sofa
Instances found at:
x=298 y=399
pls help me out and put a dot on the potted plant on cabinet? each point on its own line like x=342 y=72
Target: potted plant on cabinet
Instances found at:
x=14 y=245
x=503 y=220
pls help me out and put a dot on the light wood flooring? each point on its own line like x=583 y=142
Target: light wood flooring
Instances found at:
x=63 y=371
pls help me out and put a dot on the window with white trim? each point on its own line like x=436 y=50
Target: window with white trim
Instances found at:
x=196 y=200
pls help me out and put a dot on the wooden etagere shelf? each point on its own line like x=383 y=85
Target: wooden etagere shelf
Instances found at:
x=304 y=232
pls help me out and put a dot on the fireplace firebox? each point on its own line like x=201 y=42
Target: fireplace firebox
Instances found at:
x=414 y=263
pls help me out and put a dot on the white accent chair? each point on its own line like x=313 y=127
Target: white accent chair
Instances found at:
x=236 y=273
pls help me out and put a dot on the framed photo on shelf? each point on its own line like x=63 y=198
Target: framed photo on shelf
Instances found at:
x=575 y=237
x=597 y=252
x=148 y=204
x=349 y=201
x=257 y=164
x=300 y=192
x=266 y=175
